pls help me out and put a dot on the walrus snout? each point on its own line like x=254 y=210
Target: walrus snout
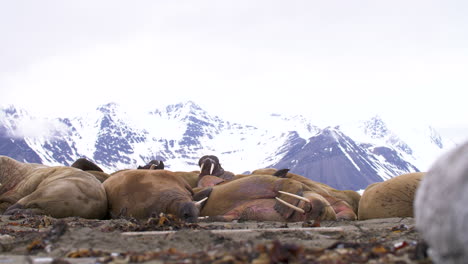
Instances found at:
x=319 y=207
x=188 y=212
x=316 y=210
x=207 y=167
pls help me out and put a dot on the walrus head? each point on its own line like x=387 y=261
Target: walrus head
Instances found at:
x=153 y=165
x=188 y=212
x=209 y=165
x=86 y=165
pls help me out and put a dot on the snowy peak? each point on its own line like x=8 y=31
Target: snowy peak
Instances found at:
x=333 y=158
x=418 y=145
x=347 y=156
x=109 y=109
x=11 y=111
x=435 y=137
x=115 y=141
x=330 y=157
x=182 y=111
x=375 y=128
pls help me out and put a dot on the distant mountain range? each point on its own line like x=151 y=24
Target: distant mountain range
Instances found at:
x=346 y=156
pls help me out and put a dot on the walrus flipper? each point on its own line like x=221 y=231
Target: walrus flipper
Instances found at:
x=20 y=209
x=281 y=173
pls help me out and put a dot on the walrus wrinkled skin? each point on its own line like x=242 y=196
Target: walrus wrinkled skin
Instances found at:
x=210 y=165
x=254 y=198
x=391 y=198
x=90 y=167
x=143 y=193
x=59 y=191
x=344 y=202
x=441 y=207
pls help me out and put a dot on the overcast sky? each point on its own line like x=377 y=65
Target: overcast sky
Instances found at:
x=331 y=61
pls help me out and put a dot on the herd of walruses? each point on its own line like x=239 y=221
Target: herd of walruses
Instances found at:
x=85 y=190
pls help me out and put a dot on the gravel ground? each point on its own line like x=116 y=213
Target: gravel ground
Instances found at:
x=163 y=239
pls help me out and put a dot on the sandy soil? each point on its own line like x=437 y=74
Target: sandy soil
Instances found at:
x=42 y=239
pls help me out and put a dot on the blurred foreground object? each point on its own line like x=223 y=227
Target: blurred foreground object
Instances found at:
x=441 y=207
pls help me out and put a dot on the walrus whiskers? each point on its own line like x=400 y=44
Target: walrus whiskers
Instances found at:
x=290 y=205
x=295 y=196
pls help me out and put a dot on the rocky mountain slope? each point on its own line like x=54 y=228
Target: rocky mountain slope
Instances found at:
x=347 y=156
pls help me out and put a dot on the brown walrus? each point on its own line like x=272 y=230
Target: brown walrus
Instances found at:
x=264 y=198
x=344 y=202
x=86 y=165
x=391 y=198
x=210 y=165
x=59 y=191
x=191 y=177
x=142 y=193
x=153 y=165
x=90 y=167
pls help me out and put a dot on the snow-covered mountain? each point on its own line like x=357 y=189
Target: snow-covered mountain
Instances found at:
x=347 y=156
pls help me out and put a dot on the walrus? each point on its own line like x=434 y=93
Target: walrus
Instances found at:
x=86 y=165
x=143 y=193
x=441 y=207
x=58 y=191
x=90 y=167
x=210 y=165
x=391 y=198
x=264 y=198
x=344 y=202
x=191 y=177
x=153 y=165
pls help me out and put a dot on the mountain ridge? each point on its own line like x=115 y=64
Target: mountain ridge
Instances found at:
x=343 y=156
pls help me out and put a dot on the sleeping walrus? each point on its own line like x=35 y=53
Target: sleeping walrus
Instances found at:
x=391 y=198
x=142 y=193
x=344 y=202
x=264 y=198
x=59 y=191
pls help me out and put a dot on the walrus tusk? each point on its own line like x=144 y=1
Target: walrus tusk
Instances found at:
x=152 y=167
x=212 y=168
x=201 y=167
x=295 y=196
x=201 y=201
x=290 y=205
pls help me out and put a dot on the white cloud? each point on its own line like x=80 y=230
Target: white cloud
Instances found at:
x=30 y=127
x=330 y=61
